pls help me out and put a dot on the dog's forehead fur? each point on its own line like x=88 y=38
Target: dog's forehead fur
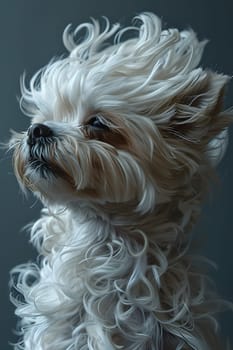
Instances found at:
x=142 y=75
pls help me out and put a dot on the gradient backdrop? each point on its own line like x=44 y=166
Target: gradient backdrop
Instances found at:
x=30 y=34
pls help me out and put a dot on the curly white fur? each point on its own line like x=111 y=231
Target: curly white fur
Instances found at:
x=115 y=270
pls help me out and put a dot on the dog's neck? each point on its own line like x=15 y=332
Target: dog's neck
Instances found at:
x=170 y=217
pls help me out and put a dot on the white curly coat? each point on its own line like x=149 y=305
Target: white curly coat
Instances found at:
x=137 y=129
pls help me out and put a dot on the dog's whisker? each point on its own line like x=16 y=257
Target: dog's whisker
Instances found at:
x=34 y=204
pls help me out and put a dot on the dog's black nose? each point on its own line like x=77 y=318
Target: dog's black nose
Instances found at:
x=37 y=131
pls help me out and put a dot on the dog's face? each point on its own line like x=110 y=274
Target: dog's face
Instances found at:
x=95 y=155
x=132 y=122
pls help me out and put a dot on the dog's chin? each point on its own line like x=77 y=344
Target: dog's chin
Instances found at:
x=55 y=192
x=41 y=168
x=46 y=181
x=53 y=186
x=51 y=189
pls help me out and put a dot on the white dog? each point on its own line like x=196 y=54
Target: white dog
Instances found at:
x=124 y=137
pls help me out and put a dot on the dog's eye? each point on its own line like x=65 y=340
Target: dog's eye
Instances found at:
x=97 y=123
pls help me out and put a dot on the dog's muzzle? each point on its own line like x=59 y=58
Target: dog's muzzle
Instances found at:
x=40 y=137
x=38 y=132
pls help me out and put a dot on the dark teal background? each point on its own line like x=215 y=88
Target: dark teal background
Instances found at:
x=30 y=35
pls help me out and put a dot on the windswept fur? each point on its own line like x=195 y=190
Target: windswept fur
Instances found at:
x=121 y=191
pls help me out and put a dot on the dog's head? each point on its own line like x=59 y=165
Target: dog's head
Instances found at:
x=132 y=121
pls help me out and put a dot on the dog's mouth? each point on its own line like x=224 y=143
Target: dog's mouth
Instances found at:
x=40 y=166
x=39 y=158
x=42 y=162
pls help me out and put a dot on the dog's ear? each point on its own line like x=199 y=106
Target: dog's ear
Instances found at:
x=197 y=116
x=198 y=110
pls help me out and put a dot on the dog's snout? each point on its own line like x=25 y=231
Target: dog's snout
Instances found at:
x=37 y=131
